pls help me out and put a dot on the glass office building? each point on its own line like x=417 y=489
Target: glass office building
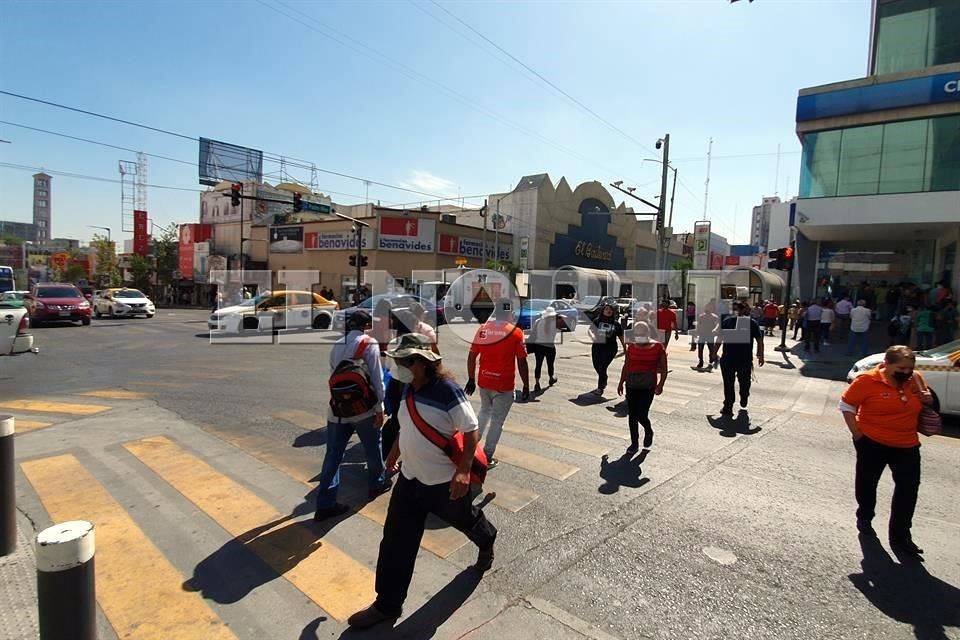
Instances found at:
x=879 y=197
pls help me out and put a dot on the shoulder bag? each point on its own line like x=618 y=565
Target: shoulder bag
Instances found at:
x=929 y=423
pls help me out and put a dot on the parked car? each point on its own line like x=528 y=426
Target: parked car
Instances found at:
x=123 y=303
x=940 y=367
x=15 y=298
x=274 y=311
x=50 y=302
x=398 y=301
x=531 y=309
x=14 y=325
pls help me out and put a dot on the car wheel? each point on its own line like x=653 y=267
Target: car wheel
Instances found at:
x=322 y=321
x=110 y=312
x=249 y=323
x=85 y=322
x=149 y=315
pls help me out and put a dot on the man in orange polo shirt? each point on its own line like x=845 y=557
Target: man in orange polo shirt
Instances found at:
x=882 y=409
x=498 y=345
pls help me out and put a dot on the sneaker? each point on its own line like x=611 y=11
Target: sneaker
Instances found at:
x=743 y=403
x=369 y=617
x=597 y=392
x=633 y=448
x=537 y=389
x=484 y=560
x=700 y=365
x=648 y=440
x=325 y=513
x=553 y=381
x=906 y=546
x=492 y=463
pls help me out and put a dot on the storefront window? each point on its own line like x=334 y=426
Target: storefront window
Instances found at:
x=898 y=157
x=915 y=34
x=860 y=161
x=843 y=266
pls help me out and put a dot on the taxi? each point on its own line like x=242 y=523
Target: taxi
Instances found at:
x=275 y=311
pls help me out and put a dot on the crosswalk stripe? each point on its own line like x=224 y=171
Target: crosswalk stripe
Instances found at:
x=536 y=464
x=783 y=401
x=116 y=394
x=336 y=582
x=558 y=440
x=139 y=591
x=814 y=397
x=54 y=407
x=26 y=426
x=303 y=419
x=509 y=497
x=163 y=385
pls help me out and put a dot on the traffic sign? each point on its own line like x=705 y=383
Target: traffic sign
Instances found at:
x=316 y=207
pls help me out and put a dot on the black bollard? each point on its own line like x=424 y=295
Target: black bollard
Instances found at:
x=66 y=596
x=8 y=499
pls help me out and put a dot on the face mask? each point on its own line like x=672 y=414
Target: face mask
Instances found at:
x=403 y=374
x=902 y=376
x=643 y=339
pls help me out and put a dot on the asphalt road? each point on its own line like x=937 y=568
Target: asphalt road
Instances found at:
x=725 y=529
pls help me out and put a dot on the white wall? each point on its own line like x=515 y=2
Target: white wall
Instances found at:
x=939 y=206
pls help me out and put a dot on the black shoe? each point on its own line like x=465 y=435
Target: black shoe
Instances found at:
x=369 y=617
x=553 y=381
x=330 y=512
x=492 y=463
x=537 y=389
x=743 y=403
x=633 y=448
x=700 y=365
x=726 y=411
x=484 y=560
x=866 y=530
x=648 y=440
x=373 y=493
x=907 y=546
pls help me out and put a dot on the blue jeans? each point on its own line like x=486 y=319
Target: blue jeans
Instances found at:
x=338 y=435
x=858 y=338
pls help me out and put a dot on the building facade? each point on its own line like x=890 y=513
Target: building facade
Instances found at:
x=879 y=197
x=41 y=206
x=26 y=231
x=760 y=223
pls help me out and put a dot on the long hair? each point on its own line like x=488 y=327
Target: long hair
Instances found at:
x=436 y=371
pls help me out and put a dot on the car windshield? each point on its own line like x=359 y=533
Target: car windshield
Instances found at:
x=128 y=293
x=255 y=300
x=58 y=292
x=941 y=351
x=591 y=300
x=538 y=305
x=10 y=295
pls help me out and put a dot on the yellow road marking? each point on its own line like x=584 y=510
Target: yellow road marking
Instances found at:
x=533 y=462
x=559 y=440
x=139 y=591
x=53 y=407
x=954 y=442
x=302 y=419
x=26 y=426
x=116 y=394
x=166 y=385
x=508 y=496
x=336 y=582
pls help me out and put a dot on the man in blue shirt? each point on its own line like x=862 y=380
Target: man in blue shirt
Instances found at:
x=737 y=335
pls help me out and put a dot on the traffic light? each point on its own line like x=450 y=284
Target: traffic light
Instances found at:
x=363 y=261
x=235 y=190
x=297 y=203
x=787 y=259
x=353 y=260
x=781 y=259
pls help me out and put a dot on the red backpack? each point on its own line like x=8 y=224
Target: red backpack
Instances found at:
x=351 y=389
x=452 y=447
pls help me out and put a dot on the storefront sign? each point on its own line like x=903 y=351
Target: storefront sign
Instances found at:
x=407 y=234
x=189 y=234
x=716 y=261
x=336 y=240
x=449 y=244
x=732 y=261
x=943 y=87
x=524 y=251
x=286 y=239
x=588 y=250
x=590 y=244
x=701 y=245
x=140 y=234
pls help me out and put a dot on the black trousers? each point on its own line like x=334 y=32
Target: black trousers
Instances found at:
x=543 y=352
x=739 y=371
x=811 y=335
x=638 y=413
x=904 y=464
x=711 y=350
x=603 y=355
x=410 y=504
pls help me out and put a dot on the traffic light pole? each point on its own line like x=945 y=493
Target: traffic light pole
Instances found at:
x=356 y=289
x=787 y=294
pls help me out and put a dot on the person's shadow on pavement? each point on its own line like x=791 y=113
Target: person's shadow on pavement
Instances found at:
x=623 y=472
x=906 y=592
x=425 y=621
x=732 y=427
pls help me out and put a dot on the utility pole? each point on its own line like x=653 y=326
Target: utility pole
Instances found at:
x=706 y=185
x=496 y=237
x=673 y=192
x=359 y=231
x=789 y=292
x=483 y=253
x=661 y=213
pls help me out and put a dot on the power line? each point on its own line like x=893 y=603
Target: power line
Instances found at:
x=81 y=176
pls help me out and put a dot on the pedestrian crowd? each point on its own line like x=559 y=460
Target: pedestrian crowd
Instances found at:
x=422 y=438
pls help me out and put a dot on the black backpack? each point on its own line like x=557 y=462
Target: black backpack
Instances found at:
x=351 y=389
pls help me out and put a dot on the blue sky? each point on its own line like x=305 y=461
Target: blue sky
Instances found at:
x=369 y=105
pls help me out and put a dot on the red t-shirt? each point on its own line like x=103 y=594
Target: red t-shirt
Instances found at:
x=645 y=357
x=666 y=320
x=498 y=345
x=771 y=311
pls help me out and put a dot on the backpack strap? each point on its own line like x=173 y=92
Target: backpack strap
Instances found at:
x=365 y=341
x=427 y=431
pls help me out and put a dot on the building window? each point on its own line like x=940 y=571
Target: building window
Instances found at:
x=41 y=203
x=898 y=157
x=915 y=34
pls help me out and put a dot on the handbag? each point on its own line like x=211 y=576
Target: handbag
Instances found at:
x=929 y=423
x=452 y=447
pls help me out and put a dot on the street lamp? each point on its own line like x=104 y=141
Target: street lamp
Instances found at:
x=107 y=229
x=673 y=190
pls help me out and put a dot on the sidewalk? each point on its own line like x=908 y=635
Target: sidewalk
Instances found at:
x=18 y=588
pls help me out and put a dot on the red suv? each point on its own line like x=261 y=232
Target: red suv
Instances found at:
x=50 y=302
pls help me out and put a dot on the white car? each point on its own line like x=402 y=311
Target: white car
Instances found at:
x=274 y=311
x=123 y=303
x=14 y=323
x=940 y=367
